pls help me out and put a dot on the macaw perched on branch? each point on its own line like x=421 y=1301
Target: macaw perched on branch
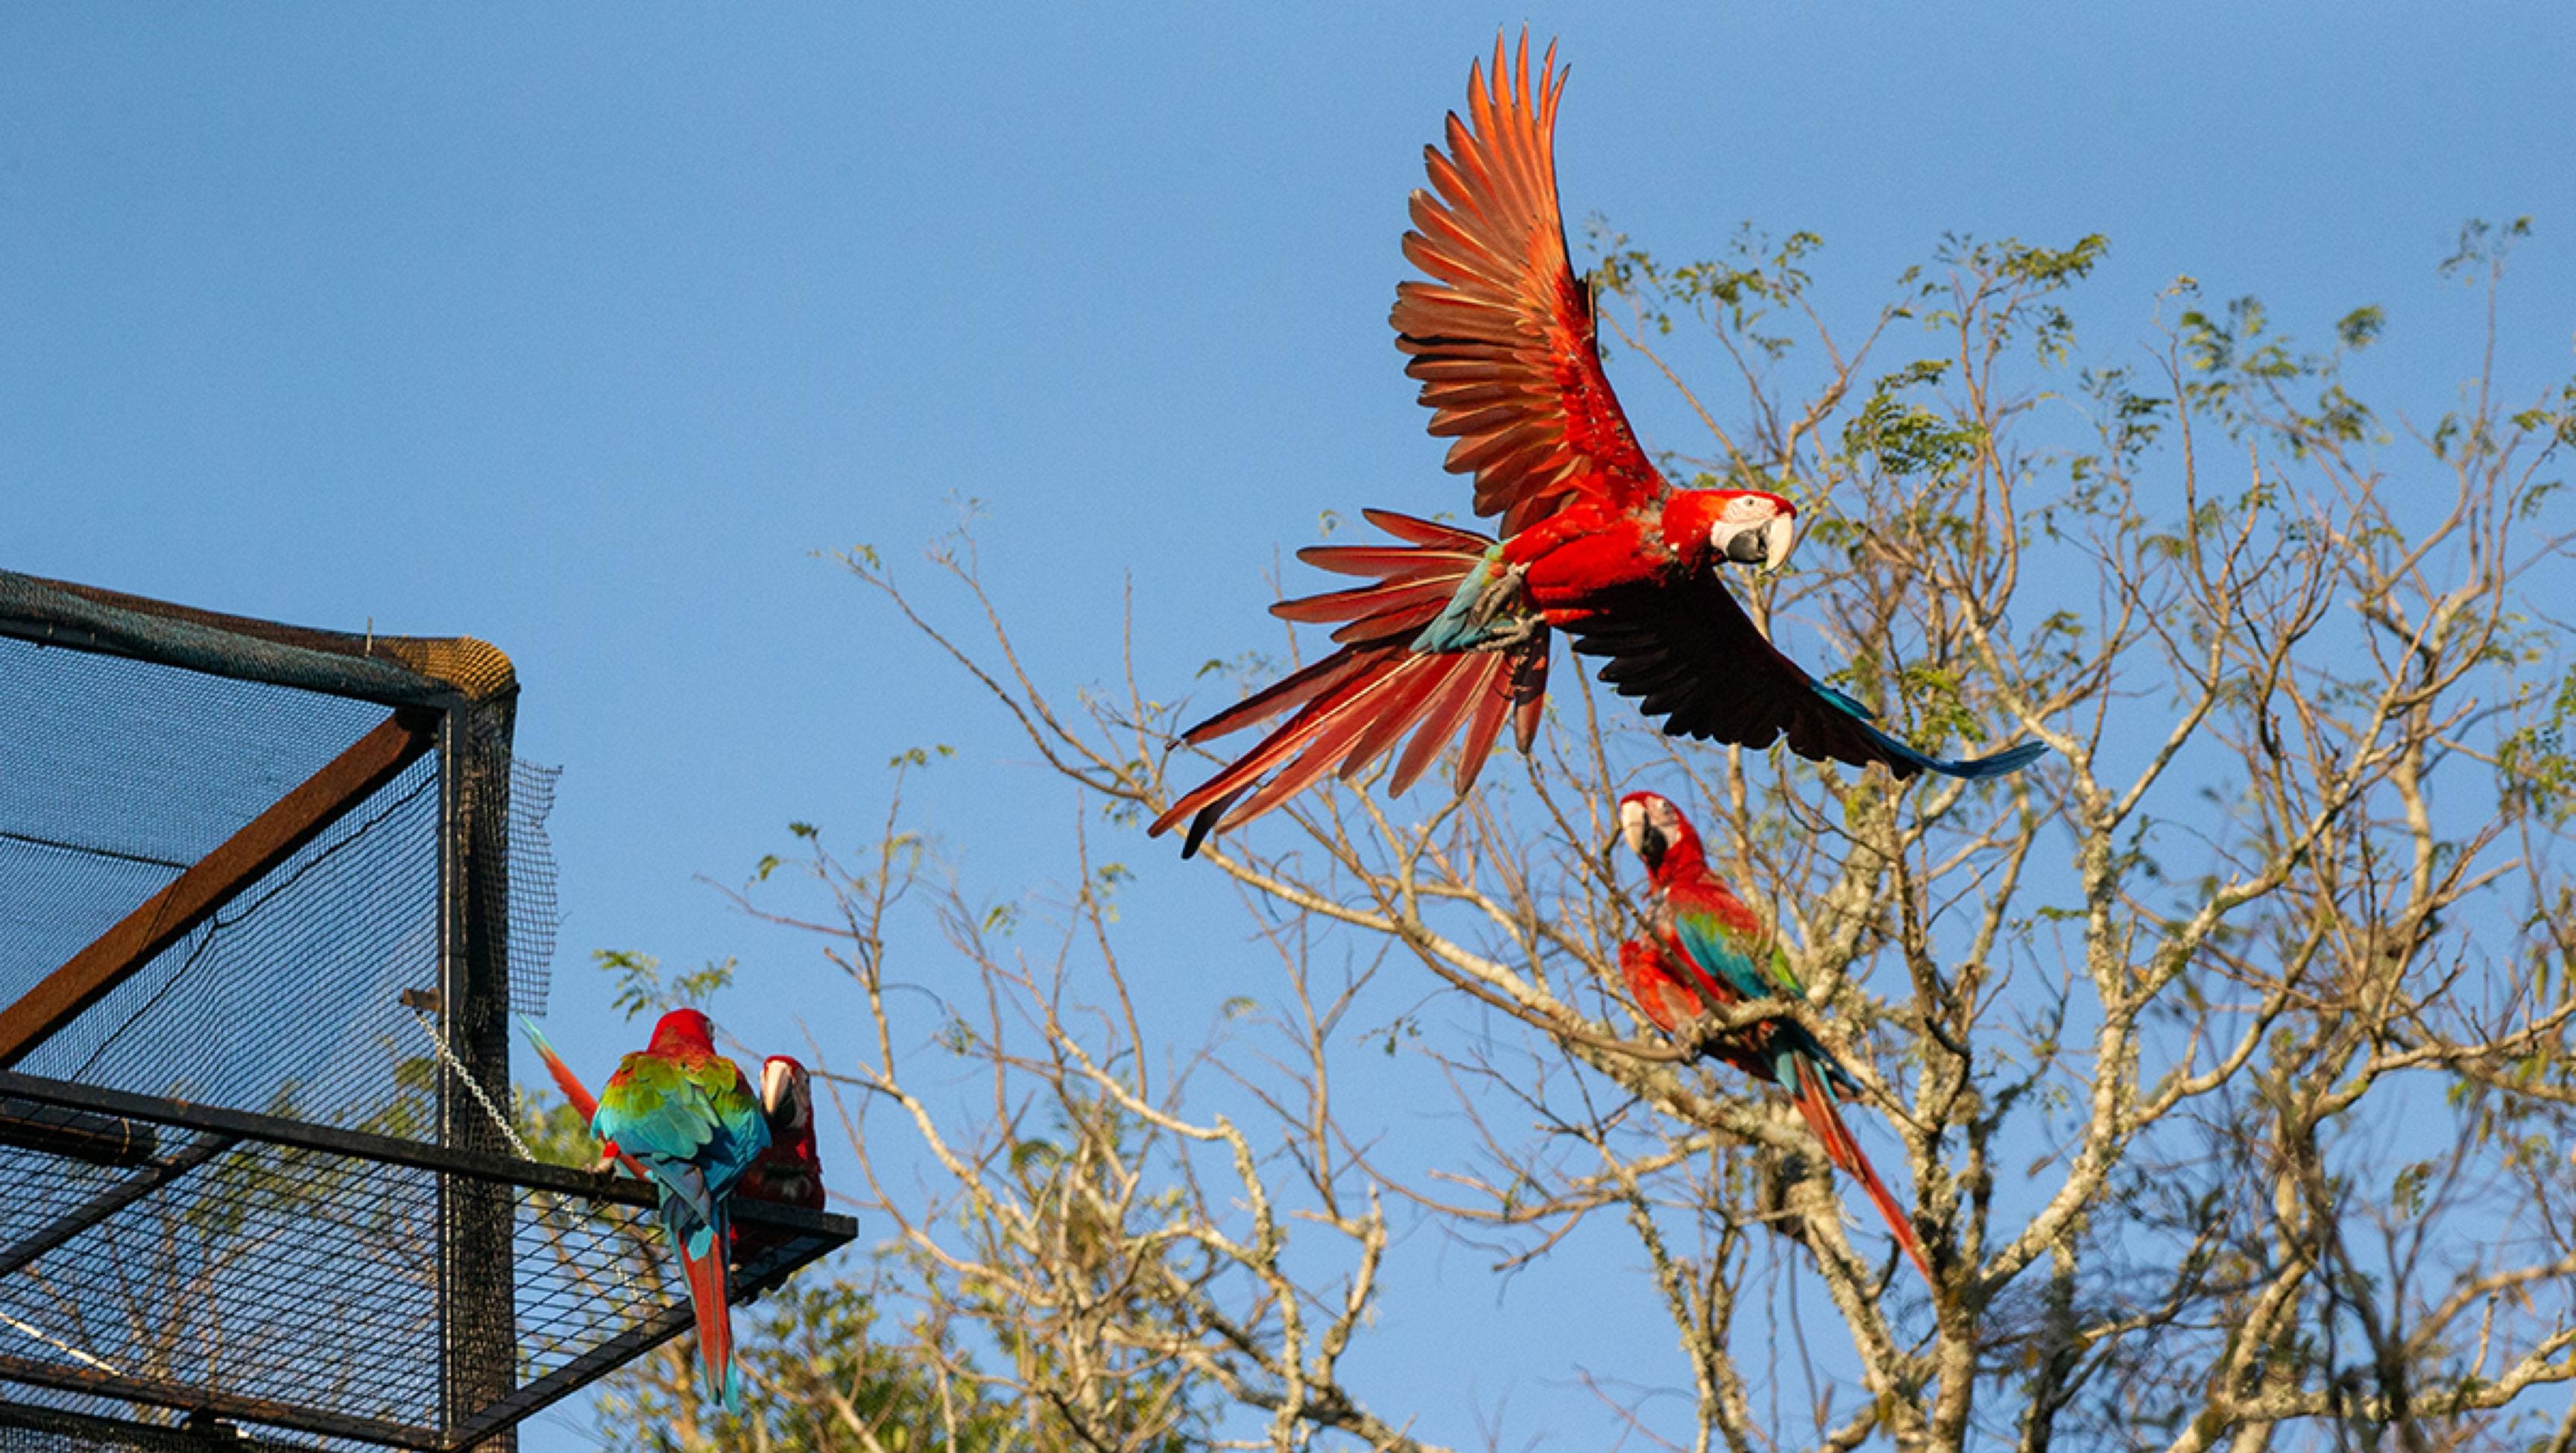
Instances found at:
x=689 y=1116
x=1709 y=950
x=1454 y=629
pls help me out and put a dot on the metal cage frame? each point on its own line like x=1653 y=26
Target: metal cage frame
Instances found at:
x=457 y=699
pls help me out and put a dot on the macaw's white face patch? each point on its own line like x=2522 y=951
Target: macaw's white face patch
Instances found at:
x=1755 y=529
x=1649 y=823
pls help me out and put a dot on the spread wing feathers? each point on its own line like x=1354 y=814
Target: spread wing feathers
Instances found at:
x=1692 y=657
x=1354 y=706
x=1502 y=338
x=1816 y=1103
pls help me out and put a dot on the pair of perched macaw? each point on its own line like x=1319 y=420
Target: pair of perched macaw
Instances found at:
x=1451 y=633
x=680 y=1115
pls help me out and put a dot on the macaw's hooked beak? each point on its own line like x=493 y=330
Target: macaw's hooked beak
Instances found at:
x=1766 y=544
x=1643 y=838
x=1778 y=538
x=775 y=1079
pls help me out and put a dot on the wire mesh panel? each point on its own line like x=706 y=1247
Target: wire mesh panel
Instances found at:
x=278 y=1273
x=116 y=776
x=28 y=1429
x=266 y=898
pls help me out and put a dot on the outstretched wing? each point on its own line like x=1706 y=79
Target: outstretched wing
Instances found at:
x=1502 y=338
x=1688 y=652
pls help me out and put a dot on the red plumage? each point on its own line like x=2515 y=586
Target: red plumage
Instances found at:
x=1354 y=705
x=1673 y=985
x=790 y=1171
x=1502 y=340
x=1673 y=1006
x=1451 y=638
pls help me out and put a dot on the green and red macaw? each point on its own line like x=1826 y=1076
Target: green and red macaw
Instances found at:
x=1708 y=950
x=790 y=1171
x=1453 y=631
x=689 y=1117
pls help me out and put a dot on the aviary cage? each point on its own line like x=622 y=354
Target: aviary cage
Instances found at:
x=258 y=951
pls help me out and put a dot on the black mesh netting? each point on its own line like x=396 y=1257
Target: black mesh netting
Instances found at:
x=244 y=1183
x=28 y=1429
x=534 y=912
x=116 y=774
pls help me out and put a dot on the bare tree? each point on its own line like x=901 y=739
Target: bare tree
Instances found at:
x=2225 y=1049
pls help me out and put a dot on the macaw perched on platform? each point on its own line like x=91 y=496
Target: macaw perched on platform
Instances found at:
x=1453 y=630
x=1710 y=950
x=790 y=1171
x=689 y=1116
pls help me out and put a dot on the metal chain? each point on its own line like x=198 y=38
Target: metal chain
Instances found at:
x=602 y=1239
x=473 y=1086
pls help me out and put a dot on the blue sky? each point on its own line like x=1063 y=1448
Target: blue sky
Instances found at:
x=581 y=328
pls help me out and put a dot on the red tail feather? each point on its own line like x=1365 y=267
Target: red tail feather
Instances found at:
x=1816 y=1103
x=1354 y=706
x=575 y=1093
x=1439 y=717
x=711 y=1301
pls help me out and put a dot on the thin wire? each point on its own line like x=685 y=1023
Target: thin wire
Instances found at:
x=61 y=1346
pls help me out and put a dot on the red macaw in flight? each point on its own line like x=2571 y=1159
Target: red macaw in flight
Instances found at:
x=1454 y=629
x=1708 y=950
x=689 y=1116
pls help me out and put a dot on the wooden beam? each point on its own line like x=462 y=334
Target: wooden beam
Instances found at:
x=208 y=884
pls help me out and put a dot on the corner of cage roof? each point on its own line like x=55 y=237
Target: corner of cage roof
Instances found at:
x=474 y=667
